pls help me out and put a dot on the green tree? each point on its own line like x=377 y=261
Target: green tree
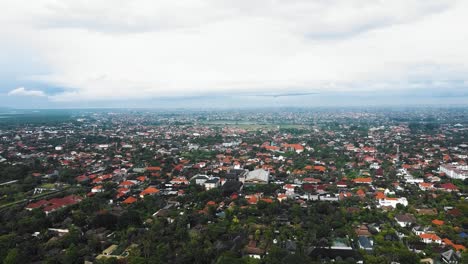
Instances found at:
x=11 y=257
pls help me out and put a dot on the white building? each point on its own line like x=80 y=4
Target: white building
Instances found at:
x=430 y=238
x=455 y=171
x=200 y=179
x=212 y=183
x=393 y=202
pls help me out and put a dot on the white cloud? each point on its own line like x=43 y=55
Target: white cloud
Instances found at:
x=115 y=49
x=21 y=91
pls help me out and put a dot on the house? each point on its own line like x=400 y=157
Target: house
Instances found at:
x=429 y=238
x=82 y=179
x=425 y=186
x=153 y=169
x=320 y=168
x=149 y=191
x=294 y=147
x=54 y=204
x=448 y=187
x=281 y=197
x=340 y=249
x=122 y=192
x=258 y=176
x=405 y=220
x=418 y=230
x=450 y=257
x=457 y=247
x=252 y=198
x=127 y=184
x=253 y=251
x=392 y=202
x=97 y=189
x=200 y=179
x=365 y=243
x=342 y=184
x=289 y=188
x=361 y=193
x=142 y=178
x=319 y=253
x=367 y=180
x=179 y=181
x=455 y=171
x=212 y=183
x=427 y=211
x=363 y=230
x=37 y=204
x=311 y=180
x=290 y=246
x=130 y=200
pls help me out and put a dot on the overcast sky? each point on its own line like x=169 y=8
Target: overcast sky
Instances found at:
x=108 y=53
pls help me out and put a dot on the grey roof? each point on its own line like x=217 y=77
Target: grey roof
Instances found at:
x=406 y=218
x=365 y=242
x=212 y=180
x=448 y=254
x=258 y=175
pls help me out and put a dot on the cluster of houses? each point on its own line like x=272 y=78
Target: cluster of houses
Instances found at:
x=54 y=204
x=382 y=167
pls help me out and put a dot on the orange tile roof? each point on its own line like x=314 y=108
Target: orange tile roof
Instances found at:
x=123 y=190
x=273 y=148
x=425 y=184
x=149 y=190
x=459 y=247
x=437 y=222
x=361 y=193
x=252 y=199
x=320 y=168
x=380 y=195
x=432 y=237
x=130 y=200
x=142 y=178
x=363 y=180
x=447 y=242
x=294 y=146
x=126 y=183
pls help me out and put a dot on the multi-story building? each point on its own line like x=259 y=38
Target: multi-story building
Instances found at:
x=455 y=171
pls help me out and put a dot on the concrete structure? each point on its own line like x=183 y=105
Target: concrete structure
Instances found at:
x=455 y=171
x=393 y=202
x=258 y=176
x=212 y=183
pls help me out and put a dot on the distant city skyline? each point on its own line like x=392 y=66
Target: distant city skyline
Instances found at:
x=223 y=54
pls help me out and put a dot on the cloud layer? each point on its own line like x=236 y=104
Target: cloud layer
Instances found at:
x=117 y=50
x=21 y=91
